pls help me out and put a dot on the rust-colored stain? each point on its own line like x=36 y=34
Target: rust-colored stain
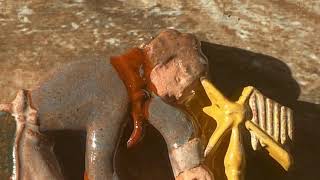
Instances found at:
x=131 y=68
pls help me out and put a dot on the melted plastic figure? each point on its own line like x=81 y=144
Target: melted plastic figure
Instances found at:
x=99 y=97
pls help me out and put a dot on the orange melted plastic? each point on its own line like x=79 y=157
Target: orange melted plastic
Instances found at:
x=129 y=67
x=85 y=176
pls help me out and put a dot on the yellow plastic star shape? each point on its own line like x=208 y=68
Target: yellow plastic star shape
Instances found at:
x=234 y=117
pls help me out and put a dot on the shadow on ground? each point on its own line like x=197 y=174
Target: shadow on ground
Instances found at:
x=231 y=69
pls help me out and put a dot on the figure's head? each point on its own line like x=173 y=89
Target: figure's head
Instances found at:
x=177 y=63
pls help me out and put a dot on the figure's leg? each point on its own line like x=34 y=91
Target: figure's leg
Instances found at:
x=37 y=158
x=33 y=156
x=102 y=140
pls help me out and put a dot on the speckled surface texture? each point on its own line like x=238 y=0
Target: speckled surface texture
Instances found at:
x=273 y=45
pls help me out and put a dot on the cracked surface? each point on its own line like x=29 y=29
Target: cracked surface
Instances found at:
x=177 y=62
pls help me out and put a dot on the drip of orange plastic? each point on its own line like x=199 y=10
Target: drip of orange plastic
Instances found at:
x=134 y=70
x=85 y=176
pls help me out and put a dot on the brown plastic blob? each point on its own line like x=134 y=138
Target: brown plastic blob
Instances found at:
x=134 y=69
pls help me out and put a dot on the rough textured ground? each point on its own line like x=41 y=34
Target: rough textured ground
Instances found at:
x=274 y=45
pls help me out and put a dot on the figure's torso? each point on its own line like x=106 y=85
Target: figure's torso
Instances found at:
x=78 y=91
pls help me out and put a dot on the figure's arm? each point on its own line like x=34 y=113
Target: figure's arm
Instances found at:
x=103 y=136
x=274 y=148
x=185 y=151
